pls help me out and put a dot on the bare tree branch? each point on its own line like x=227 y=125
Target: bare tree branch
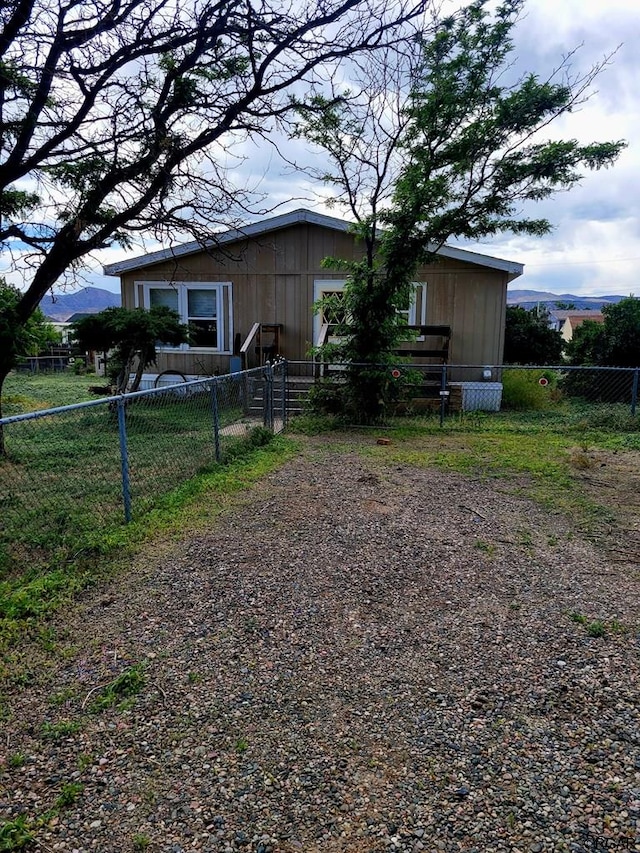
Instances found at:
x=118 y=111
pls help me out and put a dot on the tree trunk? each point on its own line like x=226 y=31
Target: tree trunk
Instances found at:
x=137 y=379
x=4 y=372
x=123 y=376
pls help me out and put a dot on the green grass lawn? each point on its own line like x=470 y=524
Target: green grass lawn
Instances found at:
x=61 y=480
x=24 y=392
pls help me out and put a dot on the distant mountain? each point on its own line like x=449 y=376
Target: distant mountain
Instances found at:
x=89 y=300
x=530 y=298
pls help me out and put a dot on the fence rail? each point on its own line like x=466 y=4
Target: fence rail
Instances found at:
x=56 y=362
x=421 y=390
x=72 y=469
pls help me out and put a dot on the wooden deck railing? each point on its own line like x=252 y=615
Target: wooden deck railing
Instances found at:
x=244 y=349
x=419 y=348
x=266 y=337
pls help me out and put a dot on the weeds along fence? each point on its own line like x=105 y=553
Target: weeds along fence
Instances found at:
x=69 y=470
x=540 y=388
x=547 y=387
x=425 y=390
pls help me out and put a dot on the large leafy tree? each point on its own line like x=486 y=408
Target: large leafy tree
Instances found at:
x=132 y=335
x=473 y=152
x=362 y=130
x=119 y=116
x=34 y=336
x=614 y=343
x=529 y=339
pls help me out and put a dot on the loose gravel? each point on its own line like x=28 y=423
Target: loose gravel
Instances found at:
x=362 y=658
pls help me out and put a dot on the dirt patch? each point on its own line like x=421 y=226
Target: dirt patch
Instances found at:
x=361 y=657
x=611 y=479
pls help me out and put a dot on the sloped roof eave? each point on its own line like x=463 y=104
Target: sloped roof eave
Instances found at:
x=276 y=223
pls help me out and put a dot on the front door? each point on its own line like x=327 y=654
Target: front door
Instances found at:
x=330 y=315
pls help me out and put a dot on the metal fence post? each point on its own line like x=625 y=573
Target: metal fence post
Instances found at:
x=268 y=396
x=124 y=458
x=634 y=391
x=216 y=419
x=284 y=393
x=246 y=390
x=444 y=393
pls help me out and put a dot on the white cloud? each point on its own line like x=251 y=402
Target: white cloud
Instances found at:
x=595 y=245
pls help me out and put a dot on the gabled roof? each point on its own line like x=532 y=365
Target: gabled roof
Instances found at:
x=80 y=315
x=285 y=220
x=577 y=315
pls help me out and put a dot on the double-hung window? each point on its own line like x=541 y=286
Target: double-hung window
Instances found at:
x=202 y=317
x=416 y=313
x=204 y=306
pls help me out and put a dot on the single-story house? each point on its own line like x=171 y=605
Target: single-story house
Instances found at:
x=567 y=321
x=251 y=294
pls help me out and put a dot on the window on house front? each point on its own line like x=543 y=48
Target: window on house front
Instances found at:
x=202 y=316
x=406 y=314
x=205 y=307
x=332 y=312
x=163 y=297
x=416 y=314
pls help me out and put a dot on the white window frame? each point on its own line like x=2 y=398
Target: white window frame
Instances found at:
x=320 y=287
x=413 y=318
x=224 y=324
x=328 y=285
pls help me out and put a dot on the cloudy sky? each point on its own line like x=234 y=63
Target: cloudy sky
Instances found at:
x=595 y=246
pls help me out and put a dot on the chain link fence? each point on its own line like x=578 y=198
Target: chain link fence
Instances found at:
x=605 y=394
x=535 y=388
x=562 y=390
x=71 y=470
x=54 y=363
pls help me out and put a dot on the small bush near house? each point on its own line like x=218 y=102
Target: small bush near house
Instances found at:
x=334 y=397
x=326 y=397
x=521 y=389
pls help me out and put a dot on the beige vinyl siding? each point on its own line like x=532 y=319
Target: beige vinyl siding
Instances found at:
x=472 y=300
x=272 y=280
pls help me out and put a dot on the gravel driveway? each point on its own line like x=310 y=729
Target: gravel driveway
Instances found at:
x=361 y=657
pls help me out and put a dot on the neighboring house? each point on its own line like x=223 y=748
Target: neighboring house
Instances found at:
x=567 y=321
x=251 y=294
x=62 y=327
